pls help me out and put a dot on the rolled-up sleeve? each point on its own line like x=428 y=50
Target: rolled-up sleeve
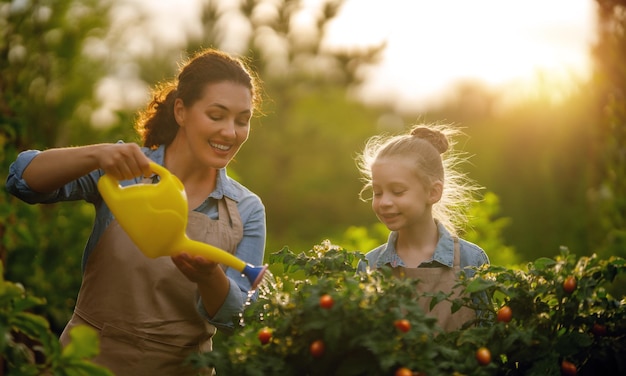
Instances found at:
x=232 y=307
x=17 y=186
x=84 y=188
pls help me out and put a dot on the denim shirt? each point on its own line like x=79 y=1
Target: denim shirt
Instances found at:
x=251 y=209
x=471 y=254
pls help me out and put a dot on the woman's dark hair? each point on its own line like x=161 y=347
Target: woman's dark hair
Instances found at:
x=156 y=124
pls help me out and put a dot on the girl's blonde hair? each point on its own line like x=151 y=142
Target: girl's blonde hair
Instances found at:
x=431 y=149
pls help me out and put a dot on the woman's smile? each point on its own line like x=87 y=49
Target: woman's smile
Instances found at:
x=221 y=147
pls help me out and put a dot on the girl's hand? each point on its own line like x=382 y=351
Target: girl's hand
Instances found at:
x=196 y=268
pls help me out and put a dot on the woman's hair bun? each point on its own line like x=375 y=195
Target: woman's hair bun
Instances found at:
x=435 y=137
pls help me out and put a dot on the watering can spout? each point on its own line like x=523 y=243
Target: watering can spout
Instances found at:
x=155 y=218
x=254 y=274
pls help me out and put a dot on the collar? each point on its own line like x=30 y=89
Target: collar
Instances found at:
x=444 y=251
x=224 y=185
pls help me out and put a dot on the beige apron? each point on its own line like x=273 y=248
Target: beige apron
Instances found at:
x=440 y=279
x=144 y=308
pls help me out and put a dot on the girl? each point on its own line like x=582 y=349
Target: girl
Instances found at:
x=152 y=314
x=415 y=191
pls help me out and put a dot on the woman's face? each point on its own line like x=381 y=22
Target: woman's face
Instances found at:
x=216 y=125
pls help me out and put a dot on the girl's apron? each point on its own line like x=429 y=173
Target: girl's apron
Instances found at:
x=143 y=308
x=440 y=279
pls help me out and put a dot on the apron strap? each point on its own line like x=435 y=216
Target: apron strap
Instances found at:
x=457 y=252
x=228 y=207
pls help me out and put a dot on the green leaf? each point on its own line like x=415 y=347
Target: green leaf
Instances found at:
x=85 y=368
x=456 y=305
x=28 y=302
x=543 y=263
x=84 y=343
x=478 y=285
x=437 y=298
x=572 y=342
x=32 y=325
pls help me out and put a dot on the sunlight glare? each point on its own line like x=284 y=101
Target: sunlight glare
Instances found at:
x=433 y=44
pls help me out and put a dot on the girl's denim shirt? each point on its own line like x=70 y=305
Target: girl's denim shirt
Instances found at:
x=251 y=209
x=471 y=254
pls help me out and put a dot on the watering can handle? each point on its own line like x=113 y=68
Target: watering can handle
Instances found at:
x=160 y=170
x=110 y=184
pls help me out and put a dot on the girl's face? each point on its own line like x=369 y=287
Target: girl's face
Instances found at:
x=400 y=201
x=217 y=124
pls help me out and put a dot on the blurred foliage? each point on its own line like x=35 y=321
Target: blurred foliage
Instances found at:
x=486 y=227
x=47 y=79
x=29 y=347
x=46 y=257
x=533 y=157
x=317 y=316
x=363 y=239
x=309 y=168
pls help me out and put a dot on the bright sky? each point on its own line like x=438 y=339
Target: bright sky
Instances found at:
x=432 y=44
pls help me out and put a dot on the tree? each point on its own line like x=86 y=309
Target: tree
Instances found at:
x=48 y=72
x=609 y=151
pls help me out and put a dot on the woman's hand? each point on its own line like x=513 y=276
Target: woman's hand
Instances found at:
x=213 y=286
x=196 y=268
x=123 y=161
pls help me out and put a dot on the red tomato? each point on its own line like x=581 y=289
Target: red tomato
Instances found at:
x=402 y=325
x=505 y=314
x=568 y=368
x=317 y=348
x=569 y=285
x=483 y=355
x=265 y=334
x=598 y=330
x=326 y=301
x=403 y=371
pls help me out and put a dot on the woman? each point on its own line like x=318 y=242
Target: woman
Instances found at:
x=153 y=313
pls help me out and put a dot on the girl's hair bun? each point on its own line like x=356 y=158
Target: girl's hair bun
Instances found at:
x=435 y=137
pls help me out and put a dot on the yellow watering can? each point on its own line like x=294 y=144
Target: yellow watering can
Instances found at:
x=155 y=218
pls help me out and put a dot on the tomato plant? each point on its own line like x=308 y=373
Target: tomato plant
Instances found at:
x=326 y=301
x=402 y=325
x=569 y=285
x=483 y=355
x=568 y=368
x=317 y=348
x=362 y=337
x=265 y=334
x=504 y=314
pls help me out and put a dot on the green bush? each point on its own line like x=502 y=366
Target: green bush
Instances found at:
x=29 y=347
x=359 y=336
